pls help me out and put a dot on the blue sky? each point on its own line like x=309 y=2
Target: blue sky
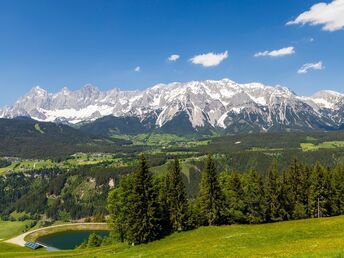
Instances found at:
x=70 y=43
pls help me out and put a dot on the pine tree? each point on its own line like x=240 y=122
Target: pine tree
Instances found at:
x=312 y=195
x=94 y=240
x=298 y=180
x=338 y=179
x=330 y=193
x=272 y=194
x=118 y=205
x=287 y=196
x=210 y=197
x=143 y=215
x=164 y=211
x=176 y=198
x=317 y=193
x=254 y=198
x=234 y=205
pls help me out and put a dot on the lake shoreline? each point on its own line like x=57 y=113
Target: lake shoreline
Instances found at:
x=69 y=239
x=35 y=234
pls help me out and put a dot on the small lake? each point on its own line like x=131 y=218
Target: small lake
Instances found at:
x=68 y=239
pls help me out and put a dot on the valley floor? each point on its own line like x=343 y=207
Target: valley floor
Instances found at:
x=304 y=238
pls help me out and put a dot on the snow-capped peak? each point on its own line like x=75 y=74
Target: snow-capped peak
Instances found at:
x=327 y=98
x=221 y=103
x=37 y=90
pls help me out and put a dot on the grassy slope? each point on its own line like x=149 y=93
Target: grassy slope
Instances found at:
x=304 y=238
x=79 y=159
x=297 y=238
x=322 y=145
x=9 y=229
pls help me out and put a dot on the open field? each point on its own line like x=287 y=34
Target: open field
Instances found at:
x=78 y=159
x=157 y=139
x=322 y=145
x=12 y=228
x=304 y=238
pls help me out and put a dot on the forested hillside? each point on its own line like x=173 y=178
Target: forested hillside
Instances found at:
x=27 y=138
x=82 y=192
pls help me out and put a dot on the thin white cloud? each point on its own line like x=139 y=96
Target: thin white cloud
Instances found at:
x=310 y=66
x=173 y=58
x=330 y=16
x=274 y=53
x=209 y=59
x=137 y=69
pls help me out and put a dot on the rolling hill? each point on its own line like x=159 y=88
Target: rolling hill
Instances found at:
x=27 y=138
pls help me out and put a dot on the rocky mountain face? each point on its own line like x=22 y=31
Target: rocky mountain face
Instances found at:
x=193 y=106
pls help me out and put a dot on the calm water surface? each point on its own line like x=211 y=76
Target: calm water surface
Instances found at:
x=68 y=239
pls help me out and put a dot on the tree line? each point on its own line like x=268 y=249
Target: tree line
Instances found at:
x=144 y=207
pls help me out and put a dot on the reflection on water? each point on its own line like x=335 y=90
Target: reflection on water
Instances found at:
x=69 y=239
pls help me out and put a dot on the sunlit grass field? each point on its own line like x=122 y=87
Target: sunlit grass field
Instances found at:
x=11 y=228
x=323 y=145
x=79 y=159
x=304 y=238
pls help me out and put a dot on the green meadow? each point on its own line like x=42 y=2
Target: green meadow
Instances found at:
x=78 y=159
x=323 y=145
x=11 y=228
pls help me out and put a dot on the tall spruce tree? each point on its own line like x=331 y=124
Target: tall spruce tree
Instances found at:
x=273 y=194
x=317 y=192
x=143 y=215
x=330 y=193
x=338 y=179
x=118 y=205
x=234 y=205
x=164 y=210
x=296 y=179
x=254 y=198
x=176 y=198
x=210 y=197
x=287 y=196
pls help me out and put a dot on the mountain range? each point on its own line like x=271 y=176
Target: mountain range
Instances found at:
x=196 y=106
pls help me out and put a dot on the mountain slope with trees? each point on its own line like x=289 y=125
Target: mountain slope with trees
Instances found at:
x=28 y=138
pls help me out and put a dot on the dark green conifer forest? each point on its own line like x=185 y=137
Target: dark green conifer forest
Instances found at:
x=144 y=208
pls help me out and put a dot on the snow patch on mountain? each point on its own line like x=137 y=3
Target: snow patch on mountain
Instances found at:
x=221 y=104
